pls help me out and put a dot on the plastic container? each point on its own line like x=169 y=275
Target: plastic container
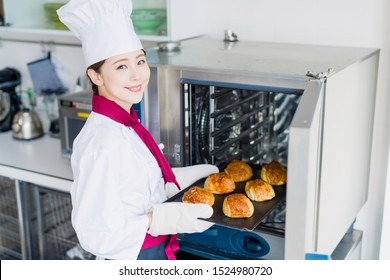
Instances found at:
x=148 y=20
x=51 y=15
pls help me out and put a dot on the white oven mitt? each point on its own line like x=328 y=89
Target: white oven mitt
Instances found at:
x=177 y=217
x=188 y=175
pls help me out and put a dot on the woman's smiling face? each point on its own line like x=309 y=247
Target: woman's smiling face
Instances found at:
x=123 y=78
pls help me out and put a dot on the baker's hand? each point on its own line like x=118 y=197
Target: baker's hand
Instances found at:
x=188 y=175
x=177 y=217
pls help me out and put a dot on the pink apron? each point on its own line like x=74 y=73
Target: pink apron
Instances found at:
x=171 y=247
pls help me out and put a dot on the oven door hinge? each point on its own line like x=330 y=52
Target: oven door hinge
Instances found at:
x=321 y=75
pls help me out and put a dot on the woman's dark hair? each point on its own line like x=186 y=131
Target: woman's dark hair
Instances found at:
x=96 y=67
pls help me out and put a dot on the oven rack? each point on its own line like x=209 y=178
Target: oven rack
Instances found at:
x=227 y=123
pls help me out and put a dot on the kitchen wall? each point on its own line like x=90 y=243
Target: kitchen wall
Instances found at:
x=68 y=62
x=384 y=253
x=362 y=23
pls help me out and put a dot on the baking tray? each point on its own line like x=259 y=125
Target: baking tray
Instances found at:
x=261 y=209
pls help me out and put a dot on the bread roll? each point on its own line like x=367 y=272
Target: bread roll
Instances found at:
x=237 y=205
x=239 y=170
x=259 y=190
x=274 y=173
x=197 y=195
x=219 y=183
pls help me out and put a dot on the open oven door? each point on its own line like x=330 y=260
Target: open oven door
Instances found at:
x=329 y=163
x=304 y=159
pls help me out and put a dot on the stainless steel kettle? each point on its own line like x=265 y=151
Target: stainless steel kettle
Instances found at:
x=26 y=125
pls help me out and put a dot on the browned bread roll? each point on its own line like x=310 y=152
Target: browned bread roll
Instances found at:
x=219 y=183
x=239 y=170
x=259 y=190
x=237 y=205
x=274 y=173
x=197 y=195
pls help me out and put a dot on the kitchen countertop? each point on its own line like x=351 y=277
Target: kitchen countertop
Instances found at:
x=38 y=161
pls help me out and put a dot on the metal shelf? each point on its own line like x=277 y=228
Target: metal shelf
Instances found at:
x=57 y=238
x=9 y=224
x=35 y=223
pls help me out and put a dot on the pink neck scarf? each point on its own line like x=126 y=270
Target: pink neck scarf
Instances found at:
x=113 y=111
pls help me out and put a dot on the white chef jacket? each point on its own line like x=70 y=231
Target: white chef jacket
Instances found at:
x=116 y=182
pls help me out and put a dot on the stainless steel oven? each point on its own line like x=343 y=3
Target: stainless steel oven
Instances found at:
x=74 y=110
x=309 y=107
x=225 y=121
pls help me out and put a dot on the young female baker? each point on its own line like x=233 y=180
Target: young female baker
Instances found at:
x=121 y=177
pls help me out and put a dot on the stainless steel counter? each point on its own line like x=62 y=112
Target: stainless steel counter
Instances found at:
x=37 y=161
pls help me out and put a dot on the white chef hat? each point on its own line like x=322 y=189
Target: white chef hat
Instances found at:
x=104 y=27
